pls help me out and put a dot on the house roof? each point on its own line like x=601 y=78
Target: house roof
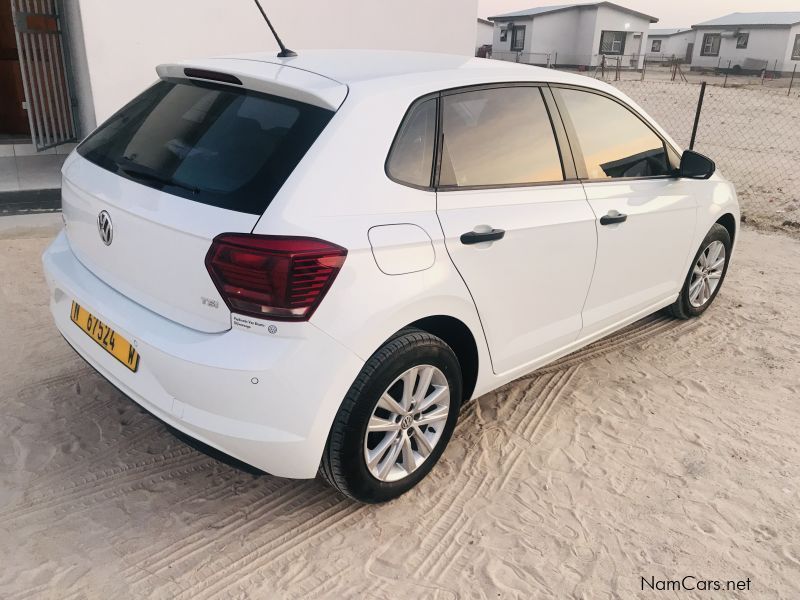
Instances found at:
x=668 y=32
x=541 y=10
x=485 y=21
x=763 y=19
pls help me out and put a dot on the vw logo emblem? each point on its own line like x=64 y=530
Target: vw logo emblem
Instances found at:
x=105 y=227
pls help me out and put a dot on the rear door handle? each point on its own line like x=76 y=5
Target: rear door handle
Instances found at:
x=613 y=217
x=476 y=237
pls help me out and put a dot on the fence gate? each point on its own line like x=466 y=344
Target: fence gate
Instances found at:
x=44 y=73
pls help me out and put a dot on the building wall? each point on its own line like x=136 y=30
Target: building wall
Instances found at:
x=672 y=45
x=484 y=34
x=765 y=44
x=788 y=63
x=124 y=41
x=613 y=19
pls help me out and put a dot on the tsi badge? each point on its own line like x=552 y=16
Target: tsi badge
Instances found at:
x=105 y=227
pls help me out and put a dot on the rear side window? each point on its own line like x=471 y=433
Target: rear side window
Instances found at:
x=496 y=137
x=613 y=140
x=213 y=144
x=411 y=157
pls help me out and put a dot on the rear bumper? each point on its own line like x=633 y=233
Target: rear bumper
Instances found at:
x=265 y=399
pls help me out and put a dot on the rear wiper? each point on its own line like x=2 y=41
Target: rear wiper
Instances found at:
x=140 y=173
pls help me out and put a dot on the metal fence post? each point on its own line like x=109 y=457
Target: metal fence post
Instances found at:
x=555 y=61
x=725 y=83
x=697 y=115
x=644 y=66
x=791 y=81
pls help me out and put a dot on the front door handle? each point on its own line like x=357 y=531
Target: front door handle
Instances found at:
x=613 y=217
x=476 y=237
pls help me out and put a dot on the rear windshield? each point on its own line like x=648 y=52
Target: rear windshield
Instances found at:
x=212 y=144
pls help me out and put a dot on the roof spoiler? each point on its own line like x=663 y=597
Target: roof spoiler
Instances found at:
x=259 y=76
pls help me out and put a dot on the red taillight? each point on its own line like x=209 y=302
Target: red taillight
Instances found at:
x=273 y=277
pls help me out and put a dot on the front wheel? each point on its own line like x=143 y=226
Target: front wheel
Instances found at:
x=395 y=420
x=706 y=274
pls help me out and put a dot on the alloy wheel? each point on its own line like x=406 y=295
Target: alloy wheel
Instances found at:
x=707 y=273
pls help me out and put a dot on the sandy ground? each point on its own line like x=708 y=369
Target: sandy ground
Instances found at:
x=670 y=449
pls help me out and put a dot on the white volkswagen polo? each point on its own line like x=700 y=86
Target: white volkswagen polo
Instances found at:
x=312 y=263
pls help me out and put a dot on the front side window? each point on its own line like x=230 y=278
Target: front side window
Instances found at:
x=742 y=39
x=656 y=46
x=497 y=137
x=214 y=144
x=796 y=48
x=614 y=141
x=612 y=42
x=411 y=157
x=518 y=38
x=711 y=43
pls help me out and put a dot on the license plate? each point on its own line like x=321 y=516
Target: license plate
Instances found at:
x=105 y=337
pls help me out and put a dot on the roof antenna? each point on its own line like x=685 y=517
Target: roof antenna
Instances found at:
x=285 y=52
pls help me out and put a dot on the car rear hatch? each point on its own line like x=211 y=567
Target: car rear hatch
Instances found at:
x=202 y=152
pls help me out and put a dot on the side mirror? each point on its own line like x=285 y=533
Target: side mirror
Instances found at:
x=696 y=166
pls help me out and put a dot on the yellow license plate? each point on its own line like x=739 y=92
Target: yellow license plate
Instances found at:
x=108 y=339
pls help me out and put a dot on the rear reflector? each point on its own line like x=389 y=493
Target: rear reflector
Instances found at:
x=273 y=277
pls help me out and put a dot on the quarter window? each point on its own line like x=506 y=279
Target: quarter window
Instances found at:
x=614 y=141
x=411 y=156
x=711 y=43
x=498 y=137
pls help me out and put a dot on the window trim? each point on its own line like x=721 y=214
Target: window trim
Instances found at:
x=580 y=161
x=739 y=36
x=710 y=36
x=515 y=38
x=796 y=47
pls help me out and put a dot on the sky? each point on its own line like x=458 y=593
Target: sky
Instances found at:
x=674 y=13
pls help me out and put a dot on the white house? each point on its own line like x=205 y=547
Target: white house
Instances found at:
x=484 y=34
x=671 y=44
x=78 y=61
x=572 y=34
x=749 y=42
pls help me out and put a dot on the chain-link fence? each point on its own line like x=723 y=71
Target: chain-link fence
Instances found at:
x=752 y=134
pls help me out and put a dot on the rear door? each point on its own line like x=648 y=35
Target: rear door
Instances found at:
x=183 y=162
x=516 y=222
x=645 y=217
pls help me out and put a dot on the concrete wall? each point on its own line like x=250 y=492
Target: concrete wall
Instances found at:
x=790 y=63
x=124 y=40
x=671 y=45
x=484 y=35
x=766 y=44
x=613 y=19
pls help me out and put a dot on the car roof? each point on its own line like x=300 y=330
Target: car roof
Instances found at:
x=353 y=67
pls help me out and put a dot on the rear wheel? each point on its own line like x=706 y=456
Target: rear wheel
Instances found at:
x=395 y=420
x=705 y=277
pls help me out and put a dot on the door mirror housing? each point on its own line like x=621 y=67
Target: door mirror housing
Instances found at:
x=696 y=166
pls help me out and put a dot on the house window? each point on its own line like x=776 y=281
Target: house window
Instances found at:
x=656 y=47
x=504 y=35
x=612 y=42
x=711 y=43
x=796 y=48
x=518 y=38
x=742 y=39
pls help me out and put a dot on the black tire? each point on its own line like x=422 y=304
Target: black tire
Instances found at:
x=682 y=308
x=343 y=464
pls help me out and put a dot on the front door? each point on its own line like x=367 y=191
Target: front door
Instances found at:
x=522 y=237
x=13 y=120
x=645 y=217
